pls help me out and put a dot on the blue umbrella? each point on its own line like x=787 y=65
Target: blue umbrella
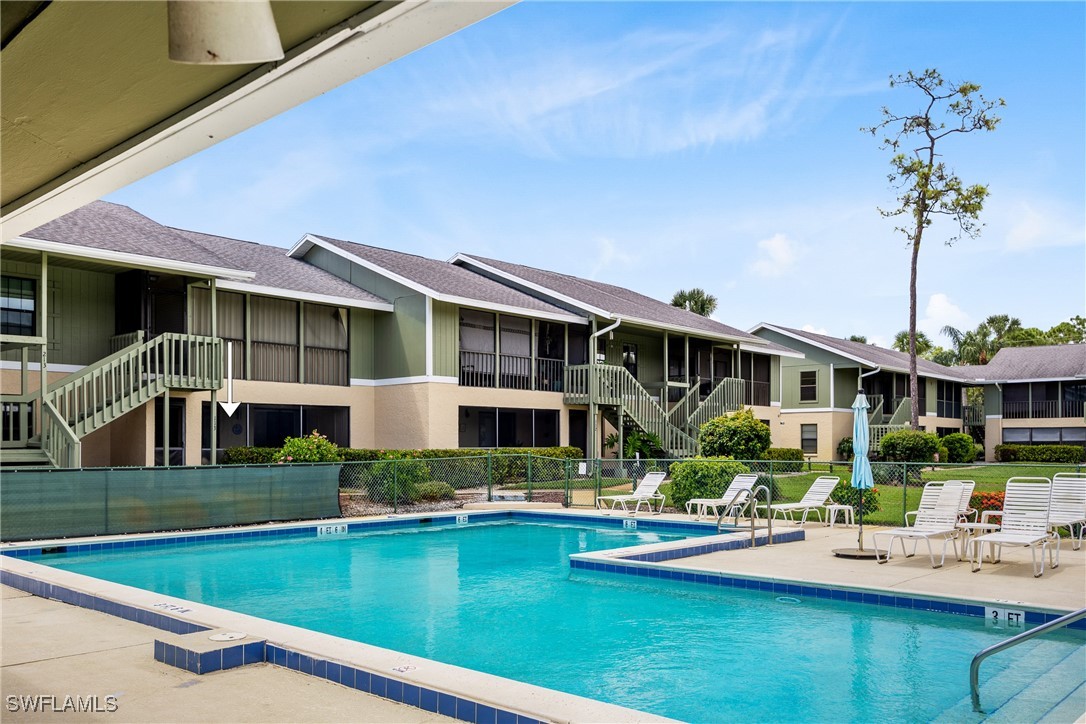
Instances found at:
x=861 y=467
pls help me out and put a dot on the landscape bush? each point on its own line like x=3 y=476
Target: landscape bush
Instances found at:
x=741 y=436
x=844 y=448
x=1040 y=454
x=702 y=477
x=791 y=459
x=909 y=446
x=960 y=448
x=845 y=494
x=313 y=448
x=434 y=490
x=249 y=455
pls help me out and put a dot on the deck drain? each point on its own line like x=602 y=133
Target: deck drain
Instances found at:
x=227 y=636
x=788 y=599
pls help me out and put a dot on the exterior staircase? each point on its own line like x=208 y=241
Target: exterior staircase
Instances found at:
x=627 y=403
x=96 y=396
x=898 y=421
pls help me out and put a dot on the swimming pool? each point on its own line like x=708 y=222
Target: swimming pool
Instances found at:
x=501 y=598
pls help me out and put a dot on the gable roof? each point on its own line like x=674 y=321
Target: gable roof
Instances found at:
x=438 y=279
x=277 y=274
x=1020 y=364
x=605 y=300
x=868 y=354
x=110 y=232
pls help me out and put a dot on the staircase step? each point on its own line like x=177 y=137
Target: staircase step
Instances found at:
x=23 y=456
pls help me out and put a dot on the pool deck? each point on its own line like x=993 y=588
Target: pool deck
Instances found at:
x=54 y=648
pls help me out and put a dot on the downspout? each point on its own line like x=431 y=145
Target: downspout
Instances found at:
x=592 y=389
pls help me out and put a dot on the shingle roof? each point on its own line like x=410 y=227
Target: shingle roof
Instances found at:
x=1062 y=361
x=112 y=227
x=616 y=301
x=273 y=268
x=444 y=278
x=887 y=359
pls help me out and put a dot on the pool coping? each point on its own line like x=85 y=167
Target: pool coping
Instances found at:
x=452 y=690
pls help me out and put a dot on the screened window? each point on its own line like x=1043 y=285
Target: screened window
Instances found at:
x=274 y=329
x=516 y=352
x=325 y=345
x=477 y=343
x=808 y=386
x=269 y=425
x=17 y=306
x=507 y=427
x=808 y=438
x=230 y=308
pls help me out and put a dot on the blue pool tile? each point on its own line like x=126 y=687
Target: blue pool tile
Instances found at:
x=486 y=714
x=305 y=663
x=872 y=598
x=465 y=709
x=277 y=655
x=854 y=597
x=233 y=657
x=428 y=700
x=506 y=717
x=823 y=593
x=975 y=611
x=446 y=705
x=958 y=608
x=903 y=602
x=886 y=600
x=331 y=671
x=837 y=594
x=293 y=660
x=346 y=675
x=411 y=695
x=160 y=648
x=211 y=661
x=940 y=606
x=394 y=689
x=378 y=685
x=362 y=680
x=193 y=661
x=320 y=668
x=527 y=720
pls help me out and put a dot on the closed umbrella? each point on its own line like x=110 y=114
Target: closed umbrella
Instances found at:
x=861 y=469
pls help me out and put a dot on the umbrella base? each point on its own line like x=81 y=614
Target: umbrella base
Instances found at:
x=855 y=553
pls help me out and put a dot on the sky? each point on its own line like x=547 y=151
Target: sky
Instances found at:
x=662 y=146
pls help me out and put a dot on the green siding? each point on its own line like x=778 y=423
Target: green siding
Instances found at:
x=80 y=308
x=650 y=355
x=993 y=400
x=446 y=330
x=791 y=369
x=931 y=400
x=361 y=328
x=774 y=380
x=844 y=386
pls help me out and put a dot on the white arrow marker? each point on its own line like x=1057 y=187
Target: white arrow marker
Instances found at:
x=229 y=407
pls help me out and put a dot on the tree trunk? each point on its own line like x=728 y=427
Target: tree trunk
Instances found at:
x=914 y=392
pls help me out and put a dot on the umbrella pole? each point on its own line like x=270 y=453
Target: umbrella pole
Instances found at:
x=861 y=519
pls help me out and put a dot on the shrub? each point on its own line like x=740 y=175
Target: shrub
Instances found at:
x=313 y=448
x=249 y=455
x=702 y=478
x=909 y=446
x=844 y=448
x=986 y=500
x=960 y=448
x=740 y=436
x=398 y=481
x=1040 y=454
x=942 y=454
x=434 y=490
x=845 y=494
x=792 y=458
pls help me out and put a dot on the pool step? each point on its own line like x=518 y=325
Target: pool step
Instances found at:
x=206 y=651
x=1040 y=681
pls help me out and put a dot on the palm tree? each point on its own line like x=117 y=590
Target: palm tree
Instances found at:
x=857 y=338
x=974 y=346
x=901 y=342
x=695 y=300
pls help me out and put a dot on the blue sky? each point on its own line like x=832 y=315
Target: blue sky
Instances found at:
x=665 y=146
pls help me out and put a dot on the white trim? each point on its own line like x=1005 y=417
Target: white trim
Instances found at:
x=983 y=381
x=313 y=66
x=50 y=367
x=832 y=398
x=305 y=296
x=774 y=403
x=818 y=409
x=418 y=379
x=308 y=241
x=472 y=261
x=122 y=258
x=429 y=337
x=993 y=417
x=760 y=350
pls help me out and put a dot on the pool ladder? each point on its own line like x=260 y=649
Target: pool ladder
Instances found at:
x=753 y=514
x=974 y=667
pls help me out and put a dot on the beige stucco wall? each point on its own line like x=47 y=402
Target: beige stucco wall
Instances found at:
x=931 y=423
x=832 y=426
x=993 y=429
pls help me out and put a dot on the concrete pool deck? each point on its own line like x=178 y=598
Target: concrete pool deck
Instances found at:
x=53 y=648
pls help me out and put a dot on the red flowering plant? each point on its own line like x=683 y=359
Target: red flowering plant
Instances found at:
x=313 y=448
x=986 y=500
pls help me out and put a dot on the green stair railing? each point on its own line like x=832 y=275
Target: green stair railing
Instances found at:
x=680 y=413
x=726 y=397
x=903 y=413
x=78 y=405
x=875 y=403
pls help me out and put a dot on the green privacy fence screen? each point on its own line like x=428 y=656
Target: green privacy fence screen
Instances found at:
x=37 y=504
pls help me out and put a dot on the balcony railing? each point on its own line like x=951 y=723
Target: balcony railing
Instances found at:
x=477 y=369
x=973 y=414
x=1043 y=408
x=756 y=393
x=549 y=374
x=515 y=372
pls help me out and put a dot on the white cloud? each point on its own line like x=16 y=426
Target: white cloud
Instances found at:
x=1037 y=226
x=608 y=254
x=777 y=256
x=941 y=311
x=814 y=330
x=879 y=341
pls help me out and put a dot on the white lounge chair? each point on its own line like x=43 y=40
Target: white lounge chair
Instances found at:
x=734 y=499
x=940 y=520
x=1069 y=505
x=647 y=492
x=1026 y=507
x=814 y=499
x=931 y=493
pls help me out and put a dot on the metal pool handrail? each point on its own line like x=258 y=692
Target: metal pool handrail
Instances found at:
x=974 y=667
x=753 y=512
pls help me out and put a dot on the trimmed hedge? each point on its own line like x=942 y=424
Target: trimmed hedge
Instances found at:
x=741 y=436
x=702 y=478
x=250 y=455
x=1040 y=454
x=909 y=446
x=791 y=457
x=264 y=455
x=960 y=448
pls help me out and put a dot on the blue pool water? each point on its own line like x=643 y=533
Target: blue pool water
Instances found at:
x=501 y=598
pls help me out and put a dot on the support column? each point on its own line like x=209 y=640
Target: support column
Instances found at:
x=43 y=332
x=665 y=394
x=593 y=409
x=213 y=455
x=166 y=428
x=301 y=342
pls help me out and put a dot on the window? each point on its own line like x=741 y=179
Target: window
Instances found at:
x=808 y=386
x=477 y=346
x=268 y=425
x=17 y=306
x=274 y=344
x=507 y=427
x=808 y=439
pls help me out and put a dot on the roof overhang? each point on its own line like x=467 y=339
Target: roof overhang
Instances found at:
x=746 y=347
x=330 y=299
x=126 y=259
x=309 y=241
x=91 y=103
